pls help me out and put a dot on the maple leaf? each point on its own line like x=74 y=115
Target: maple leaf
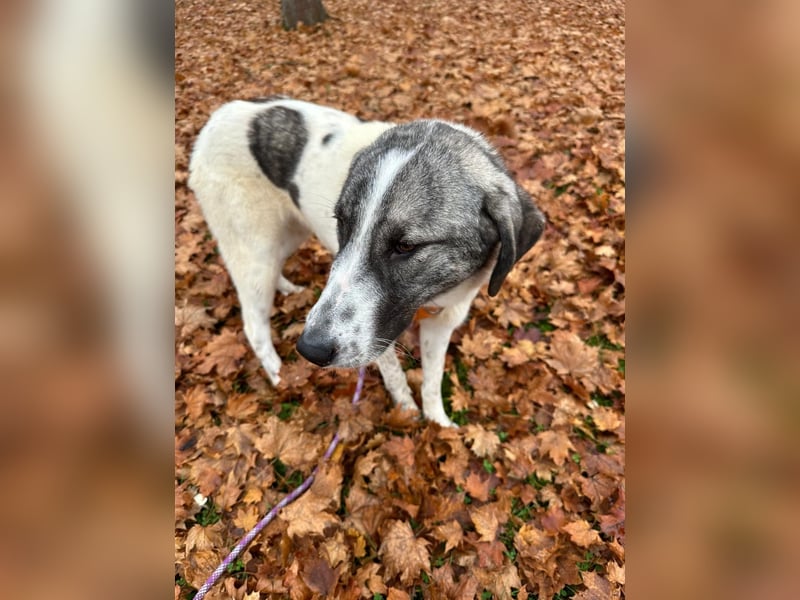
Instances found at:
x=476 y=487
x=223 y=353
x=395 y=594
x=616 y=572
x=404 y=554
x=318 y=575
x=402 y=448
x=369 y=578
x=553 y=519
x=288 y=442
x=242 y=406
x=571 y=356
x=534 y=543
x=605 y=418
x=481 y=345
x=513 y=312
x=487 y=519
x=308 y=515
x=597 y=488
x=191 y=318
x=520 y=353
x=582 y=533
x=204 y=538
x=450 y=533
x=556 y=444
x=500 y=582
x=196 y=398
x=484 y=442
x=597 y=587
x=336 y=549
x=246 y=517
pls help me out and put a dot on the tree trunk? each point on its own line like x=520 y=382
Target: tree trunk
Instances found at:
x=308 y=12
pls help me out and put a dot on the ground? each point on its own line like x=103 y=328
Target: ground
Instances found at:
x=527 y=497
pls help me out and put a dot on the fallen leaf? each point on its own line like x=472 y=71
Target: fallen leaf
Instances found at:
x=582 y=533
x=487 y=520
x=556 y=444
x=597 y=587
x=571 y=356
x=450 y=533
x=403 y=554
x=484 y=442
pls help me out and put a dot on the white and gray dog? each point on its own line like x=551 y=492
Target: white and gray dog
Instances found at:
x=418 y=215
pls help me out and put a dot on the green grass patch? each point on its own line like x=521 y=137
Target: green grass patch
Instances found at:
x=287 y=410
x=602 y=400
x=208 y=515
x=534 y=480
x=602 y=342
x=589 y=563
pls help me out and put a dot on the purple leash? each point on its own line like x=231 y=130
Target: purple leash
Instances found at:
x=251 y=535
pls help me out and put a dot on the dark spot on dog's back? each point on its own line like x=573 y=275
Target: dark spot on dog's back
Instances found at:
x=347 y=314
x=277 y=138
x=328 y=137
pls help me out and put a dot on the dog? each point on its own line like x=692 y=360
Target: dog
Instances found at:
x=419 y=214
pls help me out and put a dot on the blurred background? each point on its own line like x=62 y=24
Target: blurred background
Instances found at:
x=86 y=184
x=86 y=175
x=713 y=146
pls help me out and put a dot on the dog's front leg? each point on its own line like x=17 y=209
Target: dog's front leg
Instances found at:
x=395 y=379
x=435 y=335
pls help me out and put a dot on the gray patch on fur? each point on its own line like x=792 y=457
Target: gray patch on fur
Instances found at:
x=277 y=138
x=328 y=137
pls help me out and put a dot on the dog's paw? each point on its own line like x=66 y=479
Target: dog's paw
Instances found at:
x=442 y=419
x=272 y=367
x=287 y=287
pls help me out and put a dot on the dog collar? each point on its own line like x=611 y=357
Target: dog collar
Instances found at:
x=423 y=312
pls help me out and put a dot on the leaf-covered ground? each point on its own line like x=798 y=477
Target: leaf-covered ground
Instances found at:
x=527 y=498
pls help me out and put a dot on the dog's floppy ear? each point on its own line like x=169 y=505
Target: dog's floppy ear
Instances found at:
x=519 y=225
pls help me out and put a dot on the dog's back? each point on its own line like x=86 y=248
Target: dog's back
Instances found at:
x=274 y=157
x=267 y=174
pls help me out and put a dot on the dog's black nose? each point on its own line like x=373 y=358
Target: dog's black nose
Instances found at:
x=317 y=348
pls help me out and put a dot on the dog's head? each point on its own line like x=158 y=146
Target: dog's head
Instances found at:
x=426 y=207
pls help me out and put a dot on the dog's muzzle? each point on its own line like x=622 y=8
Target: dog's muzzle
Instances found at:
x=317 y=348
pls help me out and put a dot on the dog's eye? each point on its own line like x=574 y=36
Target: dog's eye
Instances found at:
x=404 y=248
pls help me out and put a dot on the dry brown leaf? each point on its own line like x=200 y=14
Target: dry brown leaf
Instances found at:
x=606 y=419
x=308 y=515
x=285 y=440
x=484 y=442
x=487 y=519
x=395 y=594
x=402 y=448
x=571 y=356
x=196 y=399
x=189 y=318
x=616 y=572
x=597 y=587
x=556 y=444
x=450 y=533
x=519 y=353
x=404 y=554
x=582 y=533
x=223 y=353
x=476 y=487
